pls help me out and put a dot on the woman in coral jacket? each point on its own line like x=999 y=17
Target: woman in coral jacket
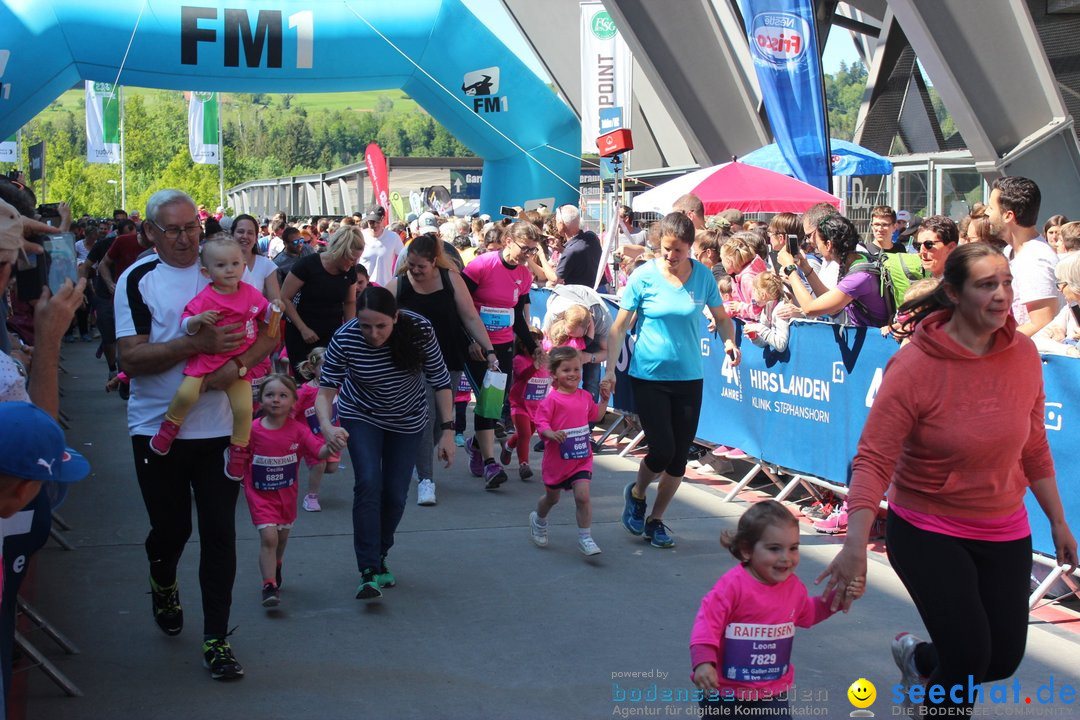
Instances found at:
x=956 y=435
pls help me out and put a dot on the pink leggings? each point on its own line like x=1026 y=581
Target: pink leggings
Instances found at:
x=523 y=430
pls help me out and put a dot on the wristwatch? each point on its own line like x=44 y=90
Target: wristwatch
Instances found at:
x=788 y=269
x=489 y=353
x=448 y=425
x=240 y=368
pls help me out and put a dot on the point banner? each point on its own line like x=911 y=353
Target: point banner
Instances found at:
x=203 y=128
x=606 y=72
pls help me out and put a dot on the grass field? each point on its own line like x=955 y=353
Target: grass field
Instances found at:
x=313 y=103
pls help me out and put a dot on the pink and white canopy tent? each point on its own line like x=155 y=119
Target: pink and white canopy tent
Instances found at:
x=735 y=185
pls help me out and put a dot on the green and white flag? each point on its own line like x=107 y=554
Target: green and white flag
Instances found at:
x=9 y=150
x=203 y=128
x=102 y=123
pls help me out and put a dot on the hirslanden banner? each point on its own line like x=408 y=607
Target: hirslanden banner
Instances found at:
x=203 y=128
x=102 y=123
x=606 y=70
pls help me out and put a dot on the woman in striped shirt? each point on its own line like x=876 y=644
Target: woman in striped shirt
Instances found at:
x=377 y=365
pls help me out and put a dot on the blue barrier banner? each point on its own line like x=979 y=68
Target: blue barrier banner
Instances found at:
x=804 y=409
x=783 y=43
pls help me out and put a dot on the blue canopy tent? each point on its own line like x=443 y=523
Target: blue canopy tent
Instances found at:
x=847 y=159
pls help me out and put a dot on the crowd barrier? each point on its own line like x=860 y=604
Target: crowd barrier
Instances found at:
x=804 y=409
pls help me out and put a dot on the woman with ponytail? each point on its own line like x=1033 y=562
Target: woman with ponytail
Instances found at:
x=377 y=364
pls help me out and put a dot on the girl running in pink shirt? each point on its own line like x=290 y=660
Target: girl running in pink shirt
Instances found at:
x=304 y=410
x=562 y=420
x=532 y=381
x=278 y=441
x=740 y=647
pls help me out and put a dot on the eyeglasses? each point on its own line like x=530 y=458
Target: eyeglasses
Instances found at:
x=172 y=232
x=1062 y=285
x=928 y=244
x=527 y=250
x=883 y=226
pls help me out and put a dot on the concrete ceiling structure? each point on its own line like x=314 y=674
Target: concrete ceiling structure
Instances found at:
x=1006 y=70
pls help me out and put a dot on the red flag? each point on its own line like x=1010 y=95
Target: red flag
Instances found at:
x=378 y=175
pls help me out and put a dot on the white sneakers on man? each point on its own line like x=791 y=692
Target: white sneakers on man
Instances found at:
x=425 y=492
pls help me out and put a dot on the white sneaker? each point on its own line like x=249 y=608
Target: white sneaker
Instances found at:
x=537 y=532
x=903 y=652
x=588 y=546
x=311 y=503
x=425 y=492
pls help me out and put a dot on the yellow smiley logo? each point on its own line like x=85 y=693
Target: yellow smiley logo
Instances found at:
x=862 y=693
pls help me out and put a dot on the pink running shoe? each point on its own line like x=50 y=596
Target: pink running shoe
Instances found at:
x=721 y=451
x=237 y=459
x=835 y=523
x=162 y=442
x=736 y=454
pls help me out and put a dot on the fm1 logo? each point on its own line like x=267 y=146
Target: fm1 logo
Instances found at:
x=483 y=86
x=236 y=28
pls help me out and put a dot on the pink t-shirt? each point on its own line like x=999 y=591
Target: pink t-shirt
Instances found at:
x=270 y=483
x=304 y=411
x=1006 y=528
x=574 y=342
x=497 y=292
x=745 y=627
x=247 y=305
x=570 y=412
x=530 y=386
x=742 y=290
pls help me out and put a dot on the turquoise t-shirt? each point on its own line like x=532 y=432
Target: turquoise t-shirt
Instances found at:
x=668 y=345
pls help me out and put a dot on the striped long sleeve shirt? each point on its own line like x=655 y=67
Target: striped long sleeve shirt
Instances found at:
x=371 y=388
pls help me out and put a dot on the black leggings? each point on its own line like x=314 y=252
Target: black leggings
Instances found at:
x=475 y=369
x=668 y=411
x=972 y=596
x=192 y=467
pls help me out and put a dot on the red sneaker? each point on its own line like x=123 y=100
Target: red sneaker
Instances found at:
x=162 y=442
x=237 y=459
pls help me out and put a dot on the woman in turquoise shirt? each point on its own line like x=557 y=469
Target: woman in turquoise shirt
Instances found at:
x=666 y=371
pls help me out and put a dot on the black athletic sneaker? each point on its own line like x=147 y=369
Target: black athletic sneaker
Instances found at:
x=270 y=597
x=168 y=614
x=369 y=585
x=219 y=659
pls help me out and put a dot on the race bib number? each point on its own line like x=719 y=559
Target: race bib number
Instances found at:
x=496 y=318
x=273 y=473
x=537 y=388
x=576 y=444
x=463 y=385
x=753 y=653
x=312 y=417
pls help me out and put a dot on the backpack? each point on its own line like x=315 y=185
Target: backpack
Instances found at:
x=897 y=272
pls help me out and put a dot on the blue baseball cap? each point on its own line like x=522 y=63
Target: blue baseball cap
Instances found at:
x=32 y=446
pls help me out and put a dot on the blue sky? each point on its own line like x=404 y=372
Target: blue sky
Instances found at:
x=494 y=15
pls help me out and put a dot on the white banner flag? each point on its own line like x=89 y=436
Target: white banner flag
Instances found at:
x=102 y=123
x=203 y=128
x=9 y=150
x=606 y=70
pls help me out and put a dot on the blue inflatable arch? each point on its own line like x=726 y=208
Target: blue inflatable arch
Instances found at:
x=435 y=50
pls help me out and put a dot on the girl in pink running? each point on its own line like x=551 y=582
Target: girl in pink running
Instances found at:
x=278 y=441
x=740 y=647
x=225 y=301
x=562 y=419
x=304 y=410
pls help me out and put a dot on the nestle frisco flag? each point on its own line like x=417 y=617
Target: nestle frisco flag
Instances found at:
x=783 y=43
x=102 y=123
x=378 y=175
x=606 y=70
x=203 y=128
x=9 y=150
